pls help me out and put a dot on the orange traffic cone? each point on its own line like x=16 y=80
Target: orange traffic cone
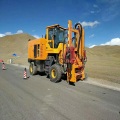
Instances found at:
x=3 y=66
x=25 y=74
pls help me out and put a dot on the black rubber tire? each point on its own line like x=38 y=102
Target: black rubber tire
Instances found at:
x=58 y=72
x=32 y=69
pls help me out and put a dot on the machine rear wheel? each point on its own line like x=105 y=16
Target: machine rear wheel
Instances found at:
x=32 y=69
x=55 y=73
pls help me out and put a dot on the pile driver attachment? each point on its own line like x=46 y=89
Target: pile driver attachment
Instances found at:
x=75 y=56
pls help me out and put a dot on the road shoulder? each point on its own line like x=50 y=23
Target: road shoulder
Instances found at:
x=103 y=83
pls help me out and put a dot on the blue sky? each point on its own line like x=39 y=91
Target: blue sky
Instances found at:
x=100 y=18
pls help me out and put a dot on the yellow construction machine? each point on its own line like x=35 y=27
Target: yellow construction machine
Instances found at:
x=61 y=52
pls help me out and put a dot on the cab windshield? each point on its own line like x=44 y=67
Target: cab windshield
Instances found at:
x=57 y=34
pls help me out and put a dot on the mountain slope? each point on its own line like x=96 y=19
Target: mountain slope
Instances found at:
x=104 y=62
x=113 y=51
x=14 y=44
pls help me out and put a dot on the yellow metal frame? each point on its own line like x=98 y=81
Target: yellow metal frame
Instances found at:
x=78 y=63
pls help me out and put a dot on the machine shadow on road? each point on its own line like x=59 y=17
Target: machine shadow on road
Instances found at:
x=63 y=78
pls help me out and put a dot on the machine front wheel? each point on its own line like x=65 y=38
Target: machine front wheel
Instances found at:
x=55 y=73
x=32 y=69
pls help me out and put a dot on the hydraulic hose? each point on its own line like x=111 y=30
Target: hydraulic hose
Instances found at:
x=80 y=33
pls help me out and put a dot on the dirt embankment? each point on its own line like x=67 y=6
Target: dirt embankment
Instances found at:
x=15 y=47
x=104 y=63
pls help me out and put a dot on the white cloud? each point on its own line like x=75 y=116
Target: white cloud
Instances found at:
x=92 y=12
x=2 y=35
x=114 y=41
x=33 y=30
x=92 y=46
x=8 y=33
x=91 y=36
x=19 y=32
x=90 y=24
x=95 y=6
x=36 y=36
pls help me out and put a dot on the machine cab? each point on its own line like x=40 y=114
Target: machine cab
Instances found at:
x=55 y=35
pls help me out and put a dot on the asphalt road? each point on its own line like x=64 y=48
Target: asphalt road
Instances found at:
x=39 y=99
